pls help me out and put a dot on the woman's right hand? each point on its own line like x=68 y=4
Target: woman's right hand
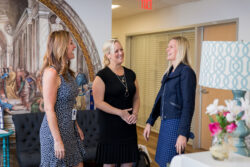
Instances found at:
x=59 y=150
x=124 y=114
x=146 y=132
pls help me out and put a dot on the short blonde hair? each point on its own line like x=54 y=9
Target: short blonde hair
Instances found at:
x=183 y=48
x=108 y=47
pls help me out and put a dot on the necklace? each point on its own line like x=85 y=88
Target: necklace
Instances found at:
x=123 y=80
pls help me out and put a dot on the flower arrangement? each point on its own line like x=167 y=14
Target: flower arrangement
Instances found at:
x=227 y=116
x=226 y=121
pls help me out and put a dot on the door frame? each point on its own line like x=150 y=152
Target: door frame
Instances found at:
x=205 y=139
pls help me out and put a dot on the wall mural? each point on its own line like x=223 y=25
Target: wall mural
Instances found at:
x=24 y=28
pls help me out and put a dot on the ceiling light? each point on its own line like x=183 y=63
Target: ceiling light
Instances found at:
x=115 y=6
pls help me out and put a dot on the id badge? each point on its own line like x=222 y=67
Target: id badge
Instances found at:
x=74 y=112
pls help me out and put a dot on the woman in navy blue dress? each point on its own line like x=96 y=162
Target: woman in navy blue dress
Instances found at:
x=60 y=136
x=174 y=103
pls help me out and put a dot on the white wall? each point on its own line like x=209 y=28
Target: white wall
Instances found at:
x=185 y=15
x=97 y=17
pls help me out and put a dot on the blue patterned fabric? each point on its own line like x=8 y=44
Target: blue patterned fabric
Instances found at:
x=5 y=75
x=65 y=101
x=81 y=79
x=225 y=65
x=5 y=105
x=166 y=142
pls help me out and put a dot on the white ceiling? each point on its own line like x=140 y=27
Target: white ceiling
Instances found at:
x=133 y=7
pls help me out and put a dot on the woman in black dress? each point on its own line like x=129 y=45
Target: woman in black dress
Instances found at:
x=116 y=93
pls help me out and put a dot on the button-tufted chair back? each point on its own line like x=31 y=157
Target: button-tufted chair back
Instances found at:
x=90 y=121
x=27 y=127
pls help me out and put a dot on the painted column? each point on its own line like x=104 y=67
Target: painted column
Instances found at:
x=42 y=34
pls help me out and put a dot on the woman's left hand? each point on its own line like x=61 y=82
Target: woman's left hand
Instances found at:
x=181 y=144
x=80 y=133
x=132 y=118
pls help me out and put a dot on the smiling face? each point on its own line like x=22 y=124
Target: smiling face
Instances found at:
x=70 y=48
x=116 y=55
x=172 y=50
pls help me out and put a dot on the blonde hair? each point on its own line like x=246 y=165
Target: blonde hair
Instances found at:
x=182 y=55
x=108 y=47
x=56 y=53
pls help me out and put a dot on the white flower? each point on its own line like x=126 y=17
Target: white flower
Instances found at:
x=214 y=108
x=232 y=107
x=231 y=117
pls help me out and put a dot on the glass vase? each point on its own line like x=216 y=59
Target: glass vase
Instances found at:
x=219 y=150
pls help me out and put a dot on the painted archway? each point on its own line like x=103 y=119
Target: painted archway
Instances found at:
x=79 y=31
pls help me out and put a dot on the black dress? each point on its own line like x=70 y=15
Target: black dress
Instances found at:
x=119 y=139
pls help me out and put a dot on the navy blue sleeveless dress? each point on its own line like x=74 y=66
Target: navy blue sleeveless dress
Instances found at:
x=74 y=149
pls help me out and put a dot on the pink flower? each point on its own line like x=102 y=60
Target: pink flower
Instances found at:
x=225 y=113
x=230 y=128
x=215 y=128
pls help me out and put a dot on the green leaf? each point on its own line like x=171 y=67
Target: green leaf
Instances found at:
x=218 y=118
x=211 y=119
x=224 y=122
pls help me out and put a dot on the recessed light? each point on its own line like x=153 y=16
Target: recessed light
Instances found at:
x=115 y=6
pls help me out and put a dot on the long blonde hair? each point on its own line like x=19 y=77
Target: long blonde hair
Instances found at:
x=182 y=55
x=56 y=53
x=108 y=48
